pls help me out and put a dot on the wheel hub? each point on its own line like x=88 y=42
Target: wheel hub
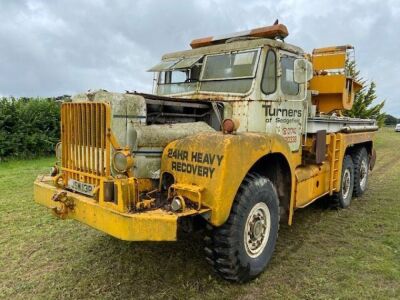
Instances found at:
x=346 y=183
x=257 y=229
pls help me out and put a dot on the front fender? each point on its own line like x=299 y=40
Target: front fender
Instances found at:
x=218 y=163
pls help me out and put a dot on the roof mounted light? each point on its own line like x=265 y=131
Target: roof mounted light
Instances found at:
x=270 y=32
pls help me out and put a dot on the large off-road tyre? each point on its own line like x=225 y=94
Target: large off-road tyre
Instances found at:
x=347 y=182
x=361 y=168
x=240 y=249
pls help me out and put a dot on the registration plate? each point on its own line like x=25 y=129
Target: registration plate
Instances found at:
x=81 y=187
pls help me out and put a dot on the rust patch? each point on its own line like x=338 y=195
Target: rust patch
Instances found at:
x=320 y=146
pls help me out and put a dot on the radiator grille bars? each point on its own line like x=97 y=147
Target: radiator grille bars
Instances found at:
x=85 y=146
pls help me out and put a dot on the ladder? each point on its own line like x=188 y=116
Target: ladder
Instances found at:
x=335 y=146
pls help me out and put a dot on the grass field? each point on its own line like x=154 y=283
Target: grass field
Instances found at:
x=326 y=254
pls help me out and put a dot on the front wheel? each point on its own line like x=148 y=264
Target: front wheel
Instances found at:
x=240 y=249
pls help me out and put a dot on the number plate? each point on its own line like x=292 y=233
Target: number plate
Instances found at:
x=81 y=187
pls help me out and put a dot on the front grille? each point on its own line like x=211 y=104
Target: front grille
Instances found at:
x=85 y=146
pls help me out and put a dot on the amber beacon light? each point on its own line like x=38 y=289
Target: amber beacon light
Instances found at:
x=270 y=32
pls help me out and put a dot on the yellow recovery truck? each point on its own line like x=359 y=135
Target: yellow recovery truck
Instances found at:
x=240 y=131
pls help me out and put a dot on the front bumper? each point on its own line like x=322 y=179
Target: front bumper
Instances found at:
x=152 y=225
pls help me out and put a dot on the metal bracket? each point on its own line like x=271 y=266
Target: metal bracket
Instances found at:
x=172 y=190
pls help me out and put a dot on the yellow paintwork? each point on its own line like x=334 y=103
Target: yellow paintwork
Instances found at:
x=152 y=225
x=240 y=152
x=189 y=191
x=334 y=89
x=312 y=183
x=237 y=153
x=146 y=185
x=332 y=92
x=332 y=84
x=330 y=61
x=336 y=154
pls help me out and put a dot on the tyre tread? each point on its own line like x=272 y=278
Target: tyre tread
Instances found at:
x=357 y=157
x=220 y=242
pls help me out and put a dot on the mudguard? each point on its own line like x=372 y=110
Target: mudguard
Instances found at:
x=216 y=164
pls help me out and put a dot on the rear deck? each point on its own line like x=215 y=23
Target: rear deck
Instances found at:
x=334 y=124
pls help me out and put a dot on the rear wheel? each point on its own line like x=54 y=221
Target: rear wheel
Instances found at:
x=240 y=249
x=347 y=182
x=361 y=167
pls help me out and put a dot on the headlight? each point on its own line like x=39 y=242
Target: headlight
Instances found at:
x=59 y=151
x=123 y=161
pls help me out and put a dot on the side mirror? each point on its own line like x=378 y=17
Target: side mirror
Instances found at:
x=303 y=71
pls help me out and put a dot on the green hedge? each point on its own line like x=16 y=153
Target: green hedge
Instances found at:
x=29 y=127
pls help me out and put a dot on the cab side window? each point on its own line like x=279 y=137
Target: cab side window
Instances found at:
x=268 y=83
x=288 y=85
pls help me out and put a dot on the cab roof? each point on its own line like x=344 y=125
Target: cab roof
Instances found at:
x=234 y=45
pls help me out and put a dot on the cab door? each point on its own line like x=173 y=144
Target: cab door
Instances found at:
x=283 y=98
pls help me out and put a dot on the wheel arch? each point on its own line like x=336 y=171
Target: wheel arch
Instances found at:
x=277 y=156
x=276 y=167
x=240 y=155
x=368 y=145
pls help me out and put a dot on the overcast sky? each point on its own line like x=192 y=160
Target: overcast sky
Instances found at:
x=51 y=48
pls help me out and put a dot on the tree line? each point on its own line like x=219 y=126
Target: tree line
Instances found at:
x=390 y=120
x=364 y=105
x=29 y=127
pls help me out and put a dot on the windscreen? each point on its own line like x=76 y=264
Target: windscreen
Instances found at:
x=230 y=65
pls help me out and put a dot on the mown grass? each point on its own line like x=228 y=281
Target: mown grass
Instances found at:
x=326 y=254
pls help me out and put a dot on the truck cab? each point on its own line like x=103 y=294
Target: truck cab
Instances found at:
x=252 y=79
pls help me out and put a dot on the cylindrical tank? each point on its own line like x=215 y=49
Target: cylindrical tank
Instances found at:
x=148 y=141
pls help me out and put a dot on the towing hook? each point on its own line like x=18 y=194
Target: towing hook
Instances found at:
x=66 y=204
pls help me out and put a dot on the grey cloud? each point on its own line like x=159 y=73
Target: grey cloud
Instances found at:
x=57 y=47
